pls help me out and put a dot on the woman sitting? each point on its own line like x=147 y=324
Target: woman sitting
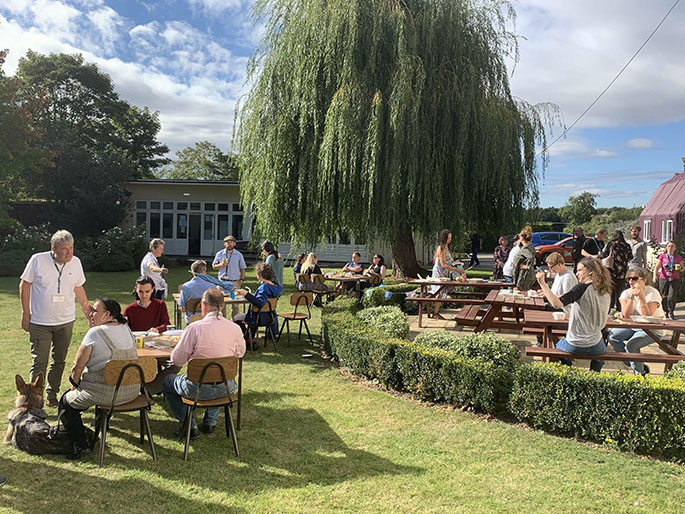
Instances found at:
x=267 y=289
x=109 y=339
x=589 y=301
x=638 y=299
x=377 y=269
x=147 y=312
x=297 y=267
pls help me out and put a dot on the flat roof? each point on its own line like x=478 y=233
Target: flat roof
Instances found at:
x=176 y=182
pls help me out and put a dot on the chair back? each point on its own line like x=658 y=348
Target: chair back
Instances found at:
x=269 y=306
x=194 y=317
x=318 y=278
x=130 y=371
x=302 y=278
x=302 y=299
x=193 y=305
x=219 y=369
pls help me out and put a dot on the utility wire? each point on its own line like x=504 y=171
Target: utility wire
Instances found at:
x=612 y=82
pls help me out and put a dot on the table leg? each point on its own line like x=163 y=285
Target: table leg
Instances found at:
x=487 y=319
x=177 y=315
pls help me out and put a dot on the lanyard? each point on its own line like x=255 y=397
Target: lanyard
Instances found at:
x=670 y=261
x=228 y=258
x=59 y=273
x=597 y=244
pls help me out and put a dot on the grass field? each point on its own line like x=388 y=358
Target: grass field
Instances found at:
x=315 y=439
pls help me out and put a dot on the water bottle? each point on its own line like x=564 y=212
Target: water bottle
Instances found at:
x=232 y=295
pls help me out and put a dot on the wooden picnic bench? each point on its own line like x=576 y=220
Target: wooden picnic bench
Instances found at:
x=554 y=355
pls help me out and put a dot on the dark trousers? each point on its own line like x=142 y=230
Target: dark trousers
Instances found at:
x=617 y=287
x=160 y=294
x=474 y=258
x=669 y=293
x=71 y=419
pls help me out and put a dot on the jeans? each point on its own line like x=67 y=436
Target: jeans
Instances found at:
x=630 y=341
x=598 y=349
x=508 y=279
x=175 y=386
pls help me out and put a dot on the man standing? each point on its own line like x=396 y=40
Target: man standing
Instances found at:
x=47 y=289
x=230 y=263
x=476 y=245
x=578 y=242
x=639 y=248
x=201 y=282
x=593 y=246
x=149 y=267
x=211 y=337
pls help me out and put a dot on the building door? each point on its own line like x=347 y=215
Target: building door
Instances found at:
x=194 y=234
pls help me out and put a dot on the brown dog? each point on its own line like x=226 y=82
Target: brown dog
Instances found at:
x=27 y=428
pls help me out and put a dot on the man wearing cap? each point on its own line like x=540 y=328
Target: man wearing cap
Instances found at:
x=230 y=263
x=200 y=282
x=47 y=290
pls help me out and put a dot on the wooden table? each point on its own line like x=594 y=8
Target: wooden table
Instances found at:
x=426 y=297
x=545 y=320
x=178 y=313
x=497 y=301
x=342 y=278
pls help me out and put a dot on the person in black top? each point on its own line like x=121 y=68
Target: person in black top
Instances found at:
x=475 y=248
x=578 y=242
x=593 y=246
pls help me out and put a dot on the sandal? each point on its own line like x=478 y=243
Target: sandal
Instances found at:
x=437 y=315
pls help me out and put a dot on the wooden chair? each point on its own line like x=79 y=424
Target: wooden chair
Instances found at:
x=297 y=300
x=192 y=305
x=194 y=317
x=269 y=308
x=128 y=372
x=320 y=296
x=212 y=371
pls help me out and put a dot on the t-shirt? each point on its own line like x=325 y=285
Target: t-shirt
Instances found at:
x=588 y=314
x=651 y=295
x=353 y=264
x=508 y=269
x=277 y=267
x=578 y=243
x=156 y=276
x=121 y=338
x=670 y=266
x=236 y=263
x=563 y=283
x=593 y=246
x=47 y=285
x=638 y=248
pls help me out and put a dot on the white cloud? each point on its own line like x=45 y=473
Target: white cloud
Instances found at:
x=640 y=143
x=109 y=25
x=579 y=149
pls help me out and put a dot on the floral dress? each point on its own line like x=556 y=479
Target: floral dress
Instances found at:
x=501 y=255
x=440 y=271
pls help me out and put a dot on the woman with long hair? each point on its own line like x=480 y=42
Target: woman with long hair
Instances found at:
x=589 y=301
x=273 y=259
x=524 y=262
x=443 y=264
x=616 y=256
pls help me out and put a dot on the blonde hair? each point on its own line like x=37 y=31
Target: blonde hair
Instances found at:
x=553 y=259
x=526 y=234
x=601 y=278
x=309 y=263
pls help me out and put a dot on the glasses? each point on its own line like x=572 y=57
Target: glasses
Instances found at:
x=630 y=279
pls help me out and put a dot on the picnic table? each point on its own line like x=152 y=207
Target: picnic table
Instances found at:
x=500 y=304
x=460 y=297
x=344 y=277
x=545 y=320
x=178 y=313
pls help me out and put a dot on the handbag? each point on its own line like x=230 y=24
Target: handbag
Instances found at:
x=608 y=261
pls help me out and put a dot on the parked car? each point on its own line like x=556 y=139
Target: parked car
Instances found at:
x=549 y=238
x=563 y=247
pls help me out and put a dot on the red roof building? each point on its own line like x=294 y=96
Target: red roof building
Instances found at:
x=664 y=216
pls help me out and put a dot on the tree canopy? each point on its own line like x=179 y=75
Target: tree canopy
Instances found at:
x=386 y=119
x=579 y=209
x=204 y=161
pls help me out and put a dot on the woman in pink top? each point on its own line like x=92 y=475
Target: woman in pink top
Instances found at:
x=667 y=276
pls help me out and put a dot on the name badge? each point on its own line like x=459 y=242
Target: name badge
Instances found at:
x=57 y=298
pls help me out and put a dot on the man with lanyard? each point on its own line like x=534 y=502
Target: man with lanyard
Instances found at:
x=230 y=263
x=200 y=282
x=639 y=248
x=578 y=242
x=593 y=246
x=49 y=284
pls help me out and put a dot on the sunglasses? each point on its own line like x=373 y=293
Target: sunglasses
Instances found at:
x=630 y=279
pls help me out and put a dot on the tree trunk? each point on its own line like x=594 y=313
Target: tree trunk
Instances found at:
x=404 y=263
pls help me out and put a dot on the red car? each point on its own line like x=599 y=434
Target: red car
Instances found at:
x=563 y=247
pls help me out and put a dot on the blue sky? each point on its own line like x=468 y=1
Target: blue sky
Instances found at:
x=187 y=58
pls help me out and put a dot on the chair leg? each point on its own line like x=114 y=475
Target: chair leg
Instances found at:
x=299 y=333
x=229 y=423
x=188 y=425
x=269 y=333
x=287 y=324
x=144 y=419
x=142 y=428
x=311 y=341
x=280 y=332
x=103 y=437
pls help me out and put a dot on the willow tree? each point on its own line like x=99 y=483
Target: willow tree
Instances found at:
x=387 y=119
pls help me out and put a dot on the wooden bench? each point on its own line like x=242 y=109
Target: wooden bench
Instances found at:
x=467 y=315
x=554 y=355
x=421 y=300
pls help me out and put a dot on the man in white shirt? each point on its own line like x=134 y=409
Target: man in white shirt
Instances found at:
x=564 y=279
x=149 y=267
x=49 y=284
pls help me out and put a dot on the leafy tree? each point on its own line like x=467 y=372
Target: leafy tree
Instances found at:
x=387 y=120
x=579 y=209
x=204 y=161
x=97 y=141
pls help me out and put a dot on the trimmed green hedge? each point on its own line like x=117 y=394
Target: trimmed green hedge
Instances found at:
x=375 y=297
x=645 y=415
x=677 y=371
x=388 y=319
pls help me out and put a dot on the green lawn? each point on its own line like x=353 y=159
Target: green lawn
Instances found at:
x=315 y=439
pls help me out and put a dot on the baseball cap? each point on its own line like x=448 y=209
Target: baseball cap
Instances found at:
x=230 y=238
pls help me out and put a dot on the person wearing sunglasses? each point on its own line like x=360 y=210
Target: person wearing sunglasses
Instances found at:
x=639 y=299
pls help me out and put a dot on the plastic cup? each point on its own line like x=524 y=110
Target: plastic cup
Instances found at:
x=139 y=342
x=232 y=295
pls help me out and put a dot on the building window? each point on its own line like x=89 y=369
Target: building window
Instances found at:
x=154 y=205
x=222 y=207
x=154 y=224
x=222 y=226
x=181 y=226
x=237 y=227
x=209 y=206
x=195 y=206
x=141 y=205
x=236 y=207
x=167 y=225
x=666 y=230
x=168 y=206
x=182 y=206
x=140 y=218
x=647 y=230
x=208 y=227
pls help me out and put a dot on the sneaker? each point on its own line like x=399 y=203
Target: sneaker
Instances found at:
x=194 y=432
x=207 y=429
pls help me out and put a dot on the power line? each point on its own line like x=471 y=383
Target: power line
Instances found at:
x=612 y=82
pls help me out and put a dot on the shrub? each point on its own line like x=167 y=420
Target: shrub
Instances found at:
x=389 y=320
x=677 y=371
x=645 y=415
x=341 y=305
x=388 y=295
x=18 y=247
x=113 y=250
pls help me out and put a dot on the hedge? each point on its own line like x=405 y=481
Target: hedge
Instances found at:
x=645 y=415
x=389 y=320
x=377 y=296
